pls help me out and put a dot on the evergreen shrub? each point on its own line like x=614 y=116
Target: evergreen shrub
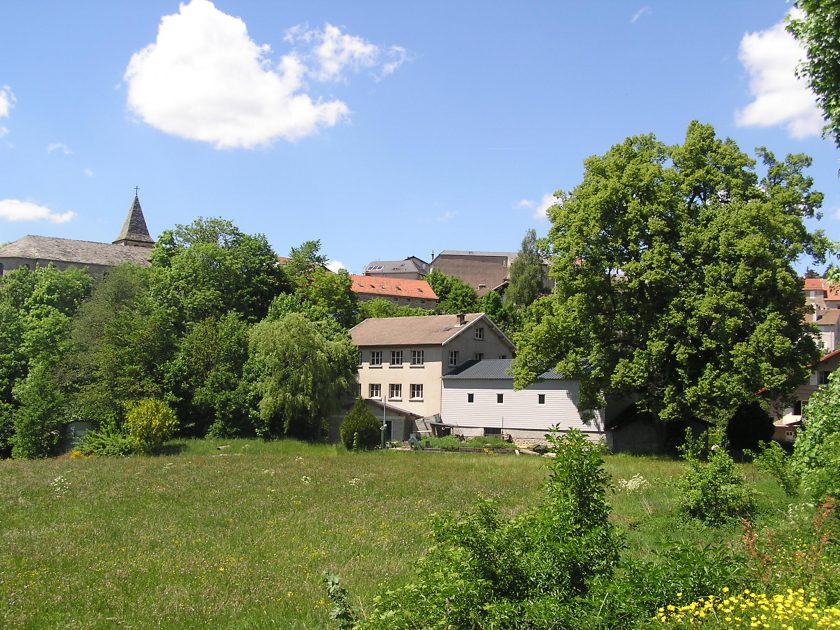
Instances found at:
x=149 y=423
x=360 y=420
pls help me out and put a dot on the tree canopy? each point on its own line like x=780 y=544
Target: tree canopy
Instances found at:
x=675 y=279
x=526 y=272
x=816 y=27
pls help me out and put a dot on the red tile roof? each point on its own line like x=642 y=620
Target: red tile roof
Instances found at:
x=392 y=287
x=832 y=292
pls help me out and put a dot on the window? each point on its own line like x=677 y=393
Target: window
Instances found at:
x=478 y=356
x=492 y=431
x=395 y=391
x=358 y=390
x=374 y=390
x=375 y=358
x=417 y=357
x=359 y=358
x=797 y=408
x=396 y=358
x=470 y=398
x=417 y=392
x=503 y=356
x=500 y=398
x=479 y=332
x=453 y=358
x=540 y=399
x=823 y=377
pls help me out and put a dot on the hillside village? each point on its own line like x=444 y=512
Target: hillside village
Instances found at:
x=451 y=374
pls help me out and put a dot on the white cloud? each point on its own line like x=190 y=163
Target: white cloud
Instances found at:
x=331 y=52
x=16 y=211
x=88 y=172
x=836 y=213
x=524 y=204
x=7 y=101
x=645 y=10
x=780 y=98
x=59 y=146
x=447 y=216
x=3 y=131
x=540 y=207
x=205 y=79
x=335 y=265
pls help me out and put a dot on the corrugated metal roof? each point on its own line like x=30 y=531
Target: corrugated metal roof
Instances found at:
x=493 y=369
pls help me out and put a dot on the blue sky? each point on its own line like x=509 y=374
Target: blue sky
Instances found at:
x=385 y=129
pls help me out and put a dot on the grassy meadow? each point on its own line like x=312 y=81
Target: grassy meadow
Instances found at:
x=240 y=537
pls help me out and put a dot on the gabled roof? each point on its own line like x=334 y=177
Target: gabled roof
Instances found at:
x=432 y=330
x=821 y=284
x=51 y=249
x=392 y=287
x=827 y=317
x=412 y=264
x=134 y=230
x=493 y=369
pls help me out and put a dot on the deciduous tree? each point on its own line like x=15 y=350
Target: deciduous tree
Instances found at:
x=526 y=273
x=675 y=279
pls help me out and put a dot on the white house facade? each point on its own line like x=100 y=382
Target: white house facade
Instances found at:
x=479 y=399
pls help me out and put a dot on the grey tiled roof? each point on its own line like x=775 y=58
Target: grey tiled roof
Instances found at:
x=48 y=248
x=495 y=369
x=134 y=229
x=409 y=265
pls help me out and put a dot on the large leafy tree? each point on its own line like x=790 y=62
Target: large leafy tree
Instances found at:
x=816 y=27
x=526 y=273
x=300 y=369
x=675 y=279
x=210 y=267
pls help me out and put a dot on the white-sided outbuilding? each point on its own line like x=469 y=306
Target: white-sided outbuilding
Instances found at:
x=479 y=399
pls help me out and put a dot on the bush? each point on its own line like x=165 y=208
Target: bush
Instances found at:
x=714 y=491
x=816 y=452
x=40 y=417
x=773 y=460
x=488 y=571
x=149 y=423
x=107 y=441
x=360 y=422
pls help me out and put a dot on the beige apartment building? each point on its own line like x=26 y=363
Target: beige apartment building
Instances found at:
x=402 y=359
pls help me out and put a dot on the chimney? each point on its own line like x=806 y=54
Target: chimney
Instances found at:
x=462 y=319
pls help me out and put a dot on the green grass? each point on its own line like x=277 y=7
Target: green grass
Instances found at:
x=240 y=536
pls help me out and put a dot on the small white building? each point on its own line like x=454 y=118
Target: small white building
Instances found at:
x=479 y=399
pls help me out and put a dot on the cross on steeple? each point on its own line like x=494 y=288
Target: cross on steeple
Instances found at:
x=136 y=190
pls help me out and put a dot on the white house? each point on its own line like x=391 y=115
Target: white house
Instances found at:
x=479 y=399
x=402 y=359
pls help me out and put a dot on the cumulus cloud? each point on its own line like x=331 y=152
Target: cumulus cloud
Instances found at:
x=335 y=265
x=540 y=207
x=205 y=79
x=88 y=172
x=19 y=211
x=3 y=131
x=59 y=146
x=645 y=10
x=7 y=101
x=780 y=98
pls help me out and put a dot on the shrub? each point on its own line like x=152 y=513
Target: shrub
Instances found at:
x=149 y=423
x=40 y=417
x=107 y=441
x=488 y=571
x=816 y=452
x=773 y=460
x=714 y=491
x=360 y=421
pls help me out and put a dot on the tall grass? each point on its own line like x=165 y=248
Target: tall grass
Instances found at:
x=240 y=535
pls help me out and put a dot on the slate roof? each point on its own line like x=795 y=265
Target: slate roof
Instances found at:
x=493 y=369
x=48 y=248
x=403 y=331
x=412 y=264
x=392 y=287
x=134 y=230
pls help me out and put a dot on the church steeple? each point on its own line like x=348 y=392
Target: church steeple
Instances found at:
x=134 y=231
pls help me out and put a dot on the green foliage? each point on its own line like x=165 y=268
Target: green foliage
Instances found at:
x=773 y=460
x=305 y=260
x=299 y=369
x=149 y=423
x=748 y=427
x=360 y=428
x=489 y=571
x=107 y=440
x=383 y=308
x=210 y=267
x=816 y=452
x=205 y=377
x=675 y=278
x=454 y=295
x=7 y=428
x=121 y=340
x=342 y=612
x=526 y=272
x=40 y=416
x=816 y=29
x=713 y=491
